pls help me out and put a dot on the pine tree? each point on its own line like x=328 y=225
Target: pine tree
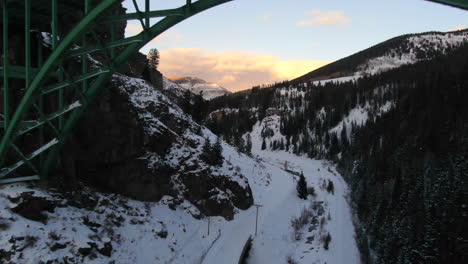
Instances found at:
x=248 y=145
x=302 y=187
x=153 y=58
x=344 y=137
x=213 y=154
x=218 y=153
x=241 y=145
x=330 y=187
x=326 y=241
x=206 y=151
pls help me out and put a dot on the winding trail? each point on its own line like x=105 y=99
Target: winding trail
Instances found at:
x=274 y=242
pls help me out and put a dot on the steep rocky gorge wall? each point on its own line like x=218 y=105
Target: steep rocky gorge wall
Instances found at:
x=134 y=140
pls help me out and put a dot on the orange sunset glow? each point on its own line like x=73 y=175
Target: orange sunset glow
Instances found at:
x=234 y=70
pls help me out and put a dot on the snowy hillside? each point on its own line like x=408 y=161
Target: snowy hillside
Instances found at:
x=173 y=87
x=197 y=85
x=88 y=226
x=93 y=227
x=391 y=54
x=412 y=50
x=173 y=155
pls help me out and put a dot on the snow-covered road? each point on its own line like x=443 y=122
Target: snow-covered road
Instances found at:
x=275 y=242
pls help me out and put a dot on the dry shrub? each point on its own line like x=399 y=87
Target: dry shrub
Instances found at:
x=302 y=220
x=326 y=239
x=311 y=191
x=290 y=260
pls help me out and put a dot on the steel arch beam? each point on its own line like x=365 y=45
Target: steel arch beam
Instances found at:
x=91 y=19
x=463 y=4
x=93 y=92
x=41 y=76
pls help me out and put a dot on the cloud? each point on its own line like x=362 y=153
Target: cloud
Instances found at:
x=458 y=28
x=234 y=70
x=323 y=18
x=266 y=18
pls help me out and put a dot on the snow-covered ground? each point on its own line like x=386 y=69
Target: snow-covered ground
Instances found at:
x=430 y=42
x=151 y=232
x=276 y=242
x=359 y=116
x=136 y=240
x=338 y=80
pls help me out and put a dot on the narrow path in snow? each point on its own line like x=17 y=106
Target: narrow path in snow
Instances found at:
x=274 y=242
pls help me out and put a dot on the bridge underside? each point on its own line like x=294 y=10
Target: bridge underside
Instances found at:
x=463 y=4
x=53 y=71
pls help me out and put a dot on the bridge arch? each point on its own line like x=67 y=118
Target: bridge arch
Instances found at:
x=51 y=128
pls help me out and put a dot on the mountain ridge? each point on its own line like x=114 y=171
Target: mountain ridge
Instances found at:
x=197 y=85
x=349 y=66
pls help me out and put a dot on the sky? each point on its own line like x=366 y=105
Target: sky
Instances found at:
x=244 y=43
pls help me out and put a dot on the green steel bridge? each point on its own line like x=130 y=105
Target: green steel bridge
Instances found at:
x=42 y=99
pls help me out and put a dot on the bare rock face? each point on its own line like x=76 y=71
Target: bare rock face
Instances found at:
x=34 y=208
x=215 y=195
x=134 y=141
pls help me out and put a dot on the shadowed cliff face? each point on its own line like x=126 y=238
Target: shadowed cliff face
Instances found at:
x=135 y=141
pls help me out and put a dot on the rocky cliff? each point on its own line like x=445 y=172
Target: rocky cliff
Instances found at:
x=135 y=140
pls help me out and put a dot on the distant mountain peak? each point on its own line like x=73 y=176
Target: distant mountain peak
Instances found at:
x=197 y=85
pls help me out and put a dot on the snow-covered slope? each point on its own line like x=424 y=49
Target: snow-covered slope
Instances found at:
x=197 y=85
x=173 y=154
x=87 y=226
x=329 y=212
x=173 y=87
x=413 y=49
x=391 y=54
x=92 y=227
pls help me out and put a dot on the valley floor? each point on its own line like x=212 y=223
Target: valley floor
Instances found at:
x=277 y=242
x=153 y=233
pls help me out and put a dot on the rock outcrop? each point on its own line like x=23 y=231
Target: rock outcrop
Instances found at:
x=136 y=142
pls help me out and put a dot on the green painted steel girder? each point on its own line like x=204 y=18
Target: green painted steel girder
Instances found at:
x=463 y=4
x=102 y=80
x=65 y=49
x=96 y=48
x=18 y=72
x=35 y=86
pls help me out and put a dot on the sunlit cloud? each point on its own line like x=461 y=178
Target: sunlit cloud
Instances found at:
x=233 y=70
x=323 y=18
x=266 y=18
x=458 y=28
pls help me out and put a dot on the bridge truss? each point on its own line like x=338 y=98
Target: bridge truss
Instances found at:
x=42 y=99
